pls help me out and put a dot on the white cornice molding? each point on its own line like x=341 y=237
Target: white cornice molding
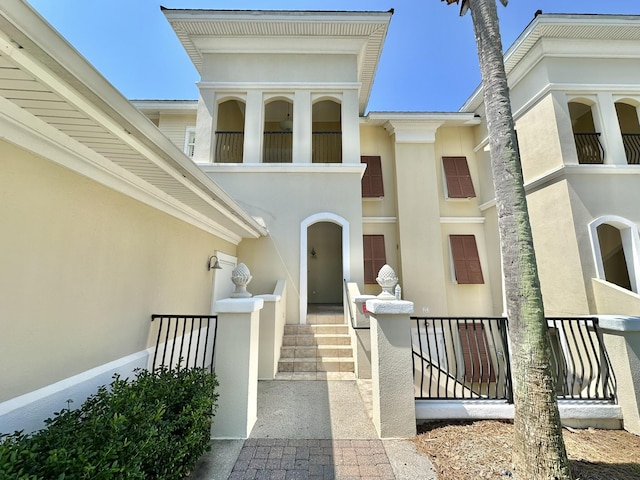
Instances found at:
x=240 y=87
x=27 y=132
x=462 y=220
x=270 y=168
x=413 y=131
x=379 y=220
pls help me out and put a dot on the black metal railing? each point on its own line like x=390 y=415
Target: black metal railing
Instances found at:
x=631 y=143
x=277 y=147
x=579 y=360
x=589 y=148
x=229 y=147
x=185 y=341
x=461 y=358
x=326 y=147
x=468 y=358
x=350 y=308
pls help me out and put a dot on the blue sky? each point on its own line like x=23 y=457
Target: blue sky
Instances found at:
x=429 y=61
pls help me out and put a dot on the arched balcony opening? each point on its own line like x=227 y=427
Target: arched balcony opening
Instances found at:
x=326 y=127
x=630 y=129
x=230 y=132
x=586 y=137
x=278 y=132
x=616 y=250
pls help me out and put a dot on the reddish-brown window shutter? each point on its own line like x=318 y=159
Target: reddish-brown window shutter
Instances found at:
x=478 y=366
x=374 y=256
x=466 y=261
x=372 y=178
x=456 y=171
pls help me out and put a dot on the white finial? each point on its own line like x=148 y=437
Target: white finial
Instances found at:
x=387 y=279
x=241 y=276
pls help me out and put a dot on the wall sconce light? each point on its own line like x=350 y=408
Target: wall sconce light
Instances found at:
x=213 y=264
x=313 y=252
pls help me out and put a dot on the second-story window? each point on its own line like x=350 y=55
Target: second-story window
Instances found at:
x=457 y=178
x=190 y=141
x=586 y=138
x=372 y=186
x=374 y=256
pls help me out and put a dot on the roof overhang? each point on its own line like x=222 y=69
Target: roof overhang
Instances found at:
x=563 y=26
x=52 y=93
x=287 y=32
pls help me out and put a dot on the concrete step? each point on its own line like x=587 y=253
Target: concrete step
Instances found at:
x=316 y=351
x=329 y=364
x=317 y=339
x=315 y=329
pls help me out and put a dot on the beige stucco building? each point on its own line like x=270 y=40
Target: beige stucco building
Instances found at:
x=112 y=209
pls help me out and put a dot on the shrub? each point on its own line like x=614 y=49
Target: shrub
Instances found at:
x=154 y=427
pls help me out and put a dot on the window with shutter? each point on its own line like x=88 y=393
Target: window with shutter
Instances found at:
x=478 y=366
x=372 y=179
x=466 y=261
x=374 y=256
x=458 y=178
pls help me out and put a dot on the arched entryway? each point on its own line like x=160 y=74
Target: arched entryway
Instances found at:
x=324 y=260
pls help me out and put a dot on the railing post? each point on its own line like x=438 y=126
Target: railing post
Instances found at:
x=622 y=340
x=237 y=367
x=394 y=414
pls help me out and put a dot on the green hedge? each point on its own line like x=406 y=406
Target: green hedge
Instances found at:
x=153 y=427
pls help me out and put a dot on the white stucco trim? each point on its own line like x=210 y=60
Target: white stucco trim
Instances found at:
x=315 y=87
x=498 y=409
x=462 y=220
x=340 y=168
x=28 y=412
x=346 y=253
x=369 y=220
x=630 y=244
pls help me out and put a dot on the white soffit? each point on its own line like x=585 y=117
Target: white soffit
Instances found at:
x=70 y=96
x=261 y=31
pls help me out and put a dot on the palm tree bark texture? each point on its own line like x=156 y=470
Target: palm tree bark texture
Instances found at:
x=538 y=450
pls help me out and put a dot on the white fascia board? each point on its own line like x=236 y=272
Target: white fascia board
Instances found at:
x=33 y=44
x=280 y=45
x=279 y=87
x=30 y=133
x=448 y=119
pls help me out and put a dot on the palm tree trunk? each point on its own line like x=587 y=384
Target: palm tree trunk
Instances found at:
x=539 y=451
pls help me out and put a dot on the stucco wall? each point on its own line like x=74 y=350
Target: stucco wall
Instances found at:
x=285 y=199
x=279 y=68
x=82 y=268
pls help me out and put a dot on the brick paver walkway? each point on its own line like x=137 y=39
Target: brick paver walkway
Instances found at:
x=282 y=459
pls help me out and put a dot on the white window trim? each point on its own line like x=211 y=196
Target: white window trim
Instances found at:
x=630 y=245
x=187 y=136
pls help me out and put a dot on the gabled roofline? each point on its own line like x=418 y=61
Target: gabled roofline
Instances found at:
x=32 y=35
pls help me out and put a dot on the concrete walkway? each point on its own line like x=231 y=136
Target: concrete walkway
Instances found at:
x=313 y=430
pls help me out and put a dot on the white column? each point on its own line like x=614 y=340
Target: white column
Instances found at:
x=394 y=411
x=350 y=127
x=205 y=128
x=610 y=128
x=237 y=366
x=271 y=332
x=253 y=127
x=302 y=127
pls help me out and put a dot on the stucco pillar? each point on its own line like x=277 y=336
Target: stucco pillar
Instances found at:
x=302 y=127
x=271 y=332
x=565 y=130
x=350 y=127
x=420 y=241
x=394 y=411
x=611 y=134
x=205 y=128
x=237 y=366
x=253 y=127
x=622 y=341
